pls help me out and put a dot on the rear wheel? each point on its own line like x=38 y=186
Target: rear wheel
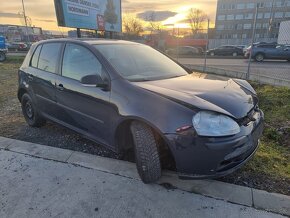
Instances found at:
x=146 y=152
x=30 y=112
x=235 y=54
x=212 y=53
x=259 y=57
x=2 y=56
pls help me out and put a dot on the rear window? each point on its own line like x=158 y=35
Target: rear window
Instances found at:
x=49 y=56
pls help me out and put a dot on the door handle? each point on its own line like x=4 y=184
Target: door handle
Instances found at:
x=30 y=78
x=60 y=87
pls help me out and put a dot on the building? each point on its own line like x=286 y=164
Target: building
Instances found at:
x=16 y=33
x=235 y=19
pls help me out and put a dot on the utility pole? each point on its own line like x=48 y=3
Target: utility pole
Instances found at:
x=205 y=53
x=253 y=41
x=24 y=14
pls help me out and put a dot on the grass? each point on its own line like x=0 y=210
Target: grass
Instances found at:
x=8 y=78
x=273 y=156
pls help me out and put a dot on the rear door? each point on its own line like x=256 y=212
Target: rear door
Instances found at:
x=86 y=109
x=42 y=74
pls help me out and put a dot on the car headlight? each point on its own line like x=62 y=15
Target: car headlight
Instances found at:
x=213 y=124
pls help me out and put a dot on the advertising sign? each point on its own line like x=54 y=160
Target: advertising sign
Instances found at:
x=89 y=14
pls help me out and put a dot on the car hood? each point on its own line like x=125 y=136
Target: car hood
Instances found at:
x=234 y=99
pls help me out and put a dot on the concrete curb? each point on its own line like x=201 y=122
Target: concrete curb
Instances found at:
x=241 y=75
x=258 y=199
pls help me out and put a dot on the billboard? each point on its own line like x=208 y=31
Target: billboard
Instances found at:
x=89 y=14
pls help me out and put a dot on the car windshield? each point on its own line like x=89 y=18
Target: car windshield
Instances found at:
x=136 y=62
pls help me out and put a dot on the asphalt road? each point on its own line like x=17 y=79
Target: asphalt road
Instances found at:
x=270 y=68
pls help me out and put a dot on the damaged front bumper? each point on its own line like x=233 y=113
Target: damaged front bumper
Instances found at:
x=206 y=157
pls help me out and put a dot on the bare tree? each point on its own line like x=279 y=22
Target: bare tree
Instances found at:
x=132 y=25
x=196 y=18
x=153 y=23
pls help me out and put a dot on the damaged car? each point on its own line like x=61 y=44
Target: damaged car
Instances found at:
x=128 y=96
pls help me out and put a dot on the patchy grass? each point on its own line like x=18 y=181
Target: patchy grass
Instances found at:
x=8 y=78
x=273 y=157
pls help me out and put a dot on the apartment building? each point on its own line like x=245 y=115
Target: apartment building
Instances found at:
x=235 y=18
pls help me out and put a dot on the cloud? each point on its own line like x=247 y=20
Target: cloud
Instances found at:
x=9 y=15
x=155 y=15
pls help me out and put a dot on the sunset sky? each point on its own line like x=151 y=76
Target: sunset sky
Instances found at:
x=42 y=12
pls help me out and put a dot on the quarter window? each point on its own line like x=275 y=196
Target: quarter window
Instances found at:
x=48 y=58
x=35 y=57
x=78 y=62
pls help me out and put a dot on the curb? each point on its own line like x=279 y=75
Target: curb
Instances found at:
x=245 y=196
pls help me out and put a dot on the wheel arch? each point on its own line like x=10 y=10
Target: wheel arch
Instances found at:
x=123 y=138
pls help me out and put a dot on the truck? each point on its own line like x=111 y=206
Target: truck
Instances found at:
x=284 y=33
x=3 y=49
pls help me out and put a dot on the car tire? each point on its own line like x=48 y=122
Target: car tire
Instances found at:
x=212 y=54
x=259 y=57
x=30 y=112
x=235 y=54
x=146 y=152
x=2 y=56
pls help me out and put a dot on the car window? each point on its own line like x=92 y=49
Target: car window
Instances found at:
x=49 y=57
x=136 y=62
x=78 y=62
x=35 y=57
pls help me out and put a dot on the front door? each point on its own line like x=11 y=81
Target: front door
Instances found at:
x=85 y=109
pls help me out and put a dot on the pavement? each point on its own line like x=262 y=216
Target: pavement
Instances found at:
x=42 y=181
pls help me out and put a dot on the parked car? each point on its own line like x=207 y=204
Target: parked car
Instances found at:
x=128 y=96
x=184 y=51
x=3 y=49
x=263 y=51
x=17 y=46
x=226 y=50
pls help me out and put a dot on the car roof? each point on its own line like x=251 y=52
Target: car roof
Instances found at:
x=89 y=41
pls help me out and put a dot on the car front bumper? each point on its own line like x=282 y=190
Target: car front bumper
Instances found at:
x=204 y=157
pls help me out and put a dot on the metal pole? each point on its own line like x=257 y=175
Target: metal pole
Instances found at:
x=252 y=44
x=79 y=35
x=205 y=53
x=24 y=14
x=271 y=19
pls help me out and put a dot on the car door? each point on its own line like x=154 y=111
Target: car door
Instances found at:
x=42 y=74
x=84 y=108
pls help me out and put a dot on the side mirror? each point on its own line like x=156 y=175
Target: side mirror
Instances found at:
x=94 y=80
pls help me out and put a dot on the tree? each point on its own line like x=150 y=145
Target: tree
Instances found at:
x=132 y=26
x=153 y=23
x=196 y=18
x=110 y=14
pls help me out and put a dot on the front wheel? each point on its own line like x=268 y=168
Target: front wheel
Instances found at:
x=30 y=112
x=2 y=56
x=146 y=152
x=259 y=57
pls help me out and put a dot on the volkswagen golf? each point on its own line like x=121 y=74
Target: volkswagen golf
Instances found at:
x=128 y=96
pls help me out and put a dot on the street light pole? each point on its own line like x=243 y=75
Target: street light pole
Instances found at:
x=25 y=20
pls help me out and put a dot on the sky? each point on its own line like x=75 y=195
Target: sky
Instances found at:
x=42 y=12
